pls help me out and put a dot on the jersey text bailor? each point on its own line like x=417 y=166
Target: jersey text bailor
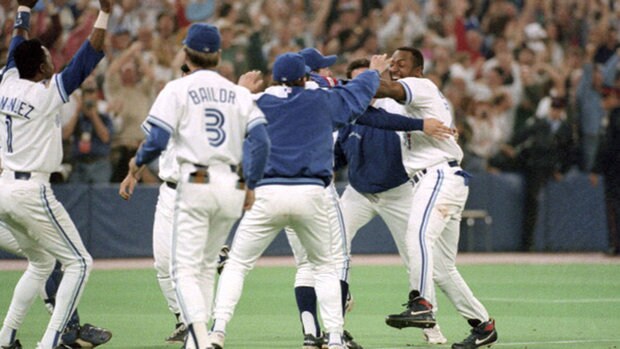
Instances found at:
x=210 y=94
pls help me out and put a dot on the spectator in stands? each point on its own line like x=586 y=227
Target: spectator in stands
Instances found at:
x=543 y=150
x=128 y=86
x=607 y=161
x=90 y=132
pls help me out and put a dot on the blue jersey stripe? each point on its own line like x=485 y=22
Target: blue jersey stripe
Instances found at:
x=422 y=233
x=73 y=249
x=161 y=123
x=61 y=88
x=408 y=93
x=255 y=122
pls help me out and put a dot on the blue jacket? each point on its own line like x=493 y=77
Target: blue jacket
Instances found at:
x=374 y=158
x=300 y=128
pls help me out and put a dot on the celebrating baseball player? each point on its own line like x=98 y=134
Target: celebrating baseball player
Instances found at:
x=31 y=96
x=75 y=335
x=378 y=182
x=292 y=192
x=162 y=229
x=207 y=118
x=439 y=195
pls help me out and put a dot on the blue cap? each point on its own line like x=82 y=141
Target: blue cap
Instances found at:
x=315 y=60
x=202 y=37
x=289 y=67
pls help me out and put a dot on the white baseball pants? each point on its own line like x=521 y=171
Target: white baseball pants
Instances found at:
x=44 y=231
x=432 y=238
x=305 y=209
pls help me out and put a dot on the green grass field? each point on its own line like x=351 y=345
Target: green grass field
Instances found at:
x=535 y=306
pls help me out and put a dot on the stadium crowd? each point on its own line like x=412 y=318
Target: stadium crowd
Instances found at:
x=533 y=83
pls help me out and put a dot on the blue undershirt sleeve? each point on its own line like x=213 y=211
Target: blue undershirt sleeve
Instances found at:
x=80 y=67
x=15 y=41
x=379 y=118
x=155 y=143
x=256 y=152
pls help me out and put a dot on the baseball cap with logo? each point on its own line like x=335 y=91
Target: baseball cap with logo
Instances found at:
x=315 y=59
x=202 y=37
x=289 y=67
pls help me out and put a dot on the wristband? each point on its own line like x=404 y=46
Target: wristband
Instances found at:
x=102 y=20
x=22 y=19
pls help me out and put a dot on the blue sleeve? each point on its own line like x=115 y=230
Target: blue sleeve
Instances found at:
x=256 y=152
x=346 y=103
x=379 y=118
x=156 y=142
x=15 y=41
x=80 y=67
x=609 y=70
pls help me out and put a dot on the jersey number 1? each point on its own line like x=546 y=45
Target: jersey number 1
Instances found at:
x=9 y=133
x=215 y=121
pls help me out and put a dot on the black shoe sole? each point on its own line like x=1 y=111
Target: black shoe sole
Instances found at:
x=402 y=323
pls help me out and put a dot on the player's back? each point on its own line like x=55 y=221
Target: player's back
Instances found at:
x=205 y=102
x=31 y=130
x=300 y=129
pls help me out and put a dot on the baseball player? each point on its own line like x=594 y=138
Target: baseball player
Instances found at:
x=162 y=229
x=292 y=192
x=75 y=335
x=439 y=195
x=320 y=77
x=206 y=117
x=30 y=98
x=378 y=182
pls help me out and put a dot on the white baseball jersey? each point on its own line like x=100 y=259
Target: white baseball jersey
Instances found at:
x=31 y=129
x=423 y=101
x=227 y=111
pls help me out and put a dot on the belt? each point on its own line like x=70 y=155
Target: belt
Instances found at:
x=418 y=175
x=24 y=176
x=201 y=175
x=171 y=185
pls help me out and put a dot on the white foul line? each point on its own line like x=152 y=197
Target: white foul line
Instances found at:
x=557 y=301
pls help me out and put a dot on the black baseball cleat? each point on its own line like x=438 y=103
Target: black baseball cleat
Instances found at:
x=178 y=335
x=419 y=314
x=312 y=342
x=349 y=343
x=482 y=335
x=85 y=336
x=15 y=345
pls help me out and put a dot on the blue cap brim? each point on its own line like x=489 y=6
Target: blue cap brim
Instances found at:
x=328 y=61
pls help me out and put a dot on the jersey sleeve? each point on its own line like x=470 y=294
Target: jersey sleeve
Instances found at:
x=165 y=110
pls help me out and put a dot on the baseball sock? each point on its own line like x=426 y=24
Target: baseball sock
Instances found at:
x=344 y=288
x=7 y=336
x=50 y=338
x=306 y=303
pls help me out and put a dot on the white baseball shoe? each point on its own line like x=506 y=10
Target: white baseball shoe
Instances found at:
x=216 y=340
x=433 y=335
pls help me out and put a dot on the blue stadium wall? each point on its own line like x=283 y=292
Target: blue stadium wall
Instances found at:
x=571 y=218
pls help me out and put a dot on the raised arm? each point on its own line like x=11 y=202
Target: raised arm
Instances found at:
x=89 y=55
x=20 y=29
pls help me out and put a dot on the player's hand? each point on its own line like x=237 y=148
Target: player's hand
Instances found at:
x=27 y=3
x=252 y=80
x=106 y=5
x=127 y=186
x=380 y=63
x=249 y=199
x=436 y=129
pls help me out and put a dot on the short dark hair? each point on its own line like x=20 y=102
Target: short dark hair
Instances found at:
x=418 y=58
x=357 y=64
x=202 y=59
x=29 y=55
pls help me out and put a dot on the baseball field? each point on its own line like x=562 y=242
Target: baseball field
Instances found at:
x=538 y=301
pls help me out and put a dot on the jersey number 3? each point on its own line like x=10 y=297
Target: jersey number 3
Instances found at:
x=215 y=132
